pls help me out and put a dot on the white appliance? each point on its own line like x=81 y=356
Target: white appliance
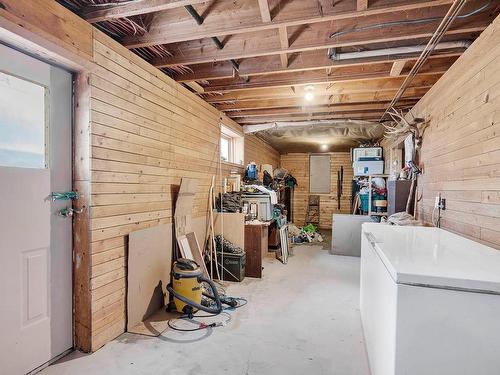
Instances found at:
x=263 y=203
x=359 y=153
x=430 y=302
x=368 y=167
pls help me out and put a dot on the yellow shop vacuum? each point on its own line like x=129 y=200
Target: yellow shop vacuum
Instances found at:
x=187 y=289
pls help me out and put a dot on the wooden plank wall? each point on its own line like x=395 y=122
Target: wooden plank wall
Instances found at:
x=298 y=165
x=260 y=152
x=147 y=133
x=461 y=148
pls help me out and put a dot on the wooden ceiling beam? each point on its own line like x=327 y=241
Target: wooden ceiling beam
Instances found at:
x=265 y=13
x=207 y=72
x=170 y=29
x=315 y=60
x=249 y=46
x=362 y=98
x=361 y=5
x=284 y=42
x=94 y=14
x=375 y=85
x=195 y=86
x=337 y=108
x=370 y=116
x=397 y=67
x=346 y=74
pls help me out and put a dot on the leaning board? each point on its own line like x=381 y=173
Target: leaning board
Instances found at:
x=149 y=267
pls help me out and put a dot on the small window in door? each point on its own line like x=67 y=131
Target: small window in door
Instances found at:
x=23 y=123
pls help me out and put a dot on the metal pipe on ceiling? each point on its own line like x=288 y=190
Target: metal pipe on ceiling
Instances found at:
x=255 y=128
x=445 y=24
x=397 y=50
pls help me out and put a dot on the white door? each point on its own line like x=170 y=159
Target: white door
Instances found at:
x=35 y=243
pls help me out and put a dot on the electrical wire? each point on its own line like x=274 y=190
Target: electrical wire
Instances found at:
x=436 y=37
x=115 y=3
x=201 y=325
x=407 y=22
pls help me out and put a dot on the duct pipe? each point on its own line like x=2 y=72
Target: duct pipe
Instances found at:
x=397 y=50
x=255 y=128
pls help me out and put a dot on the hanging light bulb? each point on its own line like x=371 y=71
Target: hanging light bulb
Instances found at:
x=309 y=96
x=309 y=93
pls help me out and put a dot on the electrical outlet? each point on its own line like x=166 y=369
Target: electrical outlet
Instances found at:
x=440 y=202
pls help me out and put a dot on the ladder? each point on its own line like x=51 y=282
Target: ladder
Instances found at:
x=313 y=210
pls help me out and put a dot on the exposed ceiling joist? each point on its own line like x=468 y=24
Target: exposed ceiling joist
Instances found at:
x=265 y=13
x=255 y=60
x=284 y=46
x=314 y=60
x=172 y=32
x=195 y=86
x=205 y=72
x=255 y=46
x=355 y=73
x=368 y=97
x=310 y=83
x=362 y=4
x=371 y=116
x=336 y=108
x=397 y=67
x=98 y=14
x=349 y=87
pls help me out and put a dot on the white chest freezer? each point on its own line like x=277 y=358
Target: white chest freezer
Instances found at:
x=430 y=302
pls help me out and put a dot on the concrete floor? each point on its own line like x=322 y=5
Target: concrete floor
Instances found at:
x=301 y=318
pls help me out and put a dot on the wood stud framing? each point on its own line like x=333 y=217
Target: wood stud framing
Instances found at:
x=93 y=15
x=397 y=68
x=284 y=45
x=362 y=4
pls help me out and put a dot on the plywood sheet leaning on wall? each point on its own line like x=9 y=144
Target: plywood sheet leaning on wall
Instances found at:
x=149 y=267
x=184 y=206
x=232 y=226
x=148 y=133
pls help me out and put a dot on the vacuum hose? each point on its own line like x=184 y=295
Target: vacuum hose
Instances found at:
x=215 y=297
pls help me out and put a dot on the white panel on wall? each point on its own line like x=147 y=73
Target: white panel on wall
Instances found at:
x=320 y=175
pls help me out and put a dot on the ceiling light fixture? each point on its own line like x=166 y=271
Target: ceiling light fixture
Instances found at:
x=309 y=93
x=324 y=147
